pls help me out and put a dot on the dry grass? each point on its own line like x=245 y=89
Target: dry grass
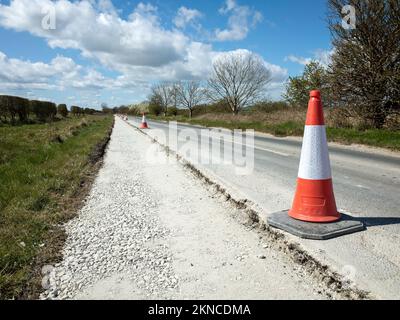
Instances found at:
x=277 y=117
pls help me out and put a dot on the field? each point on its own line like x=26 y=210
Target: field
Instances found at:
x=45 y=170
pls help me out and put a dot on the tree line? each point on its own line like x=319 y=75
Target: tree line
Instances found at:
x=13 y=108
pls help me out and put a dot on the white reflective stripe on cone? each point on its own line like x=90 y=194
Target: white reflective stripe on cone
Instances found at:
x=314 y=161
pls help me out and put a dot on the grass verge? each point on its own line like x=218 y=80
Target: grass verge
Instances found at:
x=373 y=137
x=45 y=170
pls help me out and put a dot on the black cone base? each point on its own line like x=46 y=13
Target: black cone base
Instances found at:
x=316 y=231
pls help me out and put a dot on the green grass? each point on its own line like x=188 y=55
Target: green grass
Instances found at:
x=373 y=137
x=41 y=170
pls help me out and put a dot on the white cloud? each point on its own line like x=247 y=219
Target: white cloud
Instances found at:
x=322 y=56
x=139 y=49
x=140 y=40
x=145 y=8
x=299 y=60
x=278 y=74
x=105 y=6
x=60 y=73
x=187 y=16
x=15 y=73
x=257 y=18
x=229 y=6
x=241 y=19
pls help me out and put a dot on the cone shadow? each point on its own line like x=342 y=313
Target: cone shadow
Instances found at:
x=375 y=221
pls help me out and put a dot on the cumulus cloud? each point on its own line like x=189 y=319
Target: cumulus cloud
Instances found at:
x=139 y=48
x=228 y=6
x=140 y=40
x=299 y=60
x=241 y=20
x=60 y=73
x=187 y=16
x=322 y=56
x=16 y=73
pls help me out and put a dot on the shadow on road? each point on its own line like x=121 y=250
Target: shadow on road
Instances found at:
x=377 y=221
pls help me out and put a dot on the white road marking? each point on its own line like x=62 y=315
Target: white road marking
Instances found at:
x=255 y=147
x=362 y=187
x=241 y=144
x=273 y=151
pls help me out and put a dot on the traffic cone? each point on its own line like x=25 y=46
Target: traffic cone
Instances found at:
x=314 y=214
x=314 y=200
x=143 y=125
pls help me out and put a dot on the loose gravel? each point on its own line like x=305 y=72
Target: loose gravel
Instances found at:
x=114 y=231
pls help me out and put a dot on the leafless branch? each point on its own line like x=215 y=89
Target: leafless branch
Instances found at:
x=190 y=94
x=238 y=78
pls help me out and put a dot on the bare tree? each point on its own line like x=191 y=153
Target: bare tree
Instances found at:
x=164 y=94
x=190 y=94
x=240 y=79
x=175 y=94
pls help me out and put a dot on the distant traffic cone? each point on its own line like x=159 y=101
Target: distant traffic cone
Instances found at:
x=314 y=200
x=143 y=125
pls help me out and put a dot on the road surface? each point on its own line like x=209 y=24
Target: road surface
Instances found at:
x=366 y=185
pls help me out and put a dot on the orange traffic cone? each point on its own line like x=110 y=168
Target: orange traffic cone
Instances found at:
x=143 y=125
x=314 y=200
x=314 y=214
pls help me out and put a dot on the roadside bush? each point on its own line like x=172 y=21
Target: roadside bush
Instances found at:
x=134 y=111
x=393 y=121
x=339 y=117
x=22 y=108
x=89 y=111
x=155 y=109
x=76 y=111
x=51 y=109
x=11 y=106
x=314 y=76
x=34 y=107
x=106 y=110
x=3 y=110
x=173 y=111
x=218 y=107
x=43 y=110
x=62 y=110
x=7 y=107
x=121 y=109
x=269 y=106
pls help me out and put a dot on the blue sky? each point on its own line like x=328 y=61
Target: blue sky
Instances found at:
x=113 y=51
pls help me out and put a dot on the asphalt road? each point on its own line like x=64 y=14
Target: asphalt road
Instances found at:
x=366 y=185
